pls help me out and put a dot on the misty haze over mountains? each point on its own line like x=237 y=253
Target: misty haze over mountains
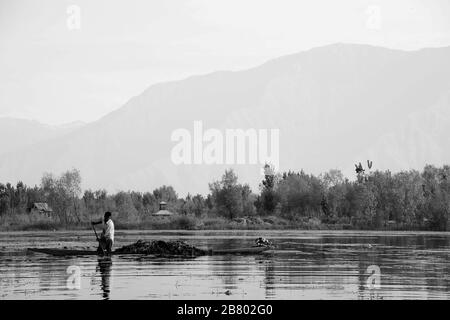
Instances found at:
x=18 y=134
x=334 y=106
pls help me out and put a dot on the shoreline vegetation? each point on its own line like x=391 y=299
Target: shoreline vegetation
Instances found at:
x=375 y=200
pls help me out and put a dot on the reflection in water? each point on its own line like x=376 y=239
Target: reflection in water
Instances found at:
x=268 y=266
x=104 y=266
x=305 y=265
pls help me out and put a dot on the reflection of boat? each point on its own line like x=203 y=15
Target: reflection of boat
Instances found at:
x=70 y=252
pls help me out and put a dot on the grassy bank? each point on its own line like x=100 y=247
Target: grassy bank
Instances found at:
x=177 y=222
x=25 y=222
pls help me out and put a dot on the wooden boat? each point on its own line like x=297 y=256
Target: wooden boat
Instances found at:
x=71 y=252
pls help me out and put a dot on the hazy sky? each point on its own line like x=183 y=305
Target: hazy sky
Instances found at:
x=55 y=72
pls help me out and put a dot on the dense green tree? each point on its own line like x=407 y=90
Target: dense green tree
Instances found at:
x=4 y=200
x=165 y=193
x=230 y=198
x=268 y=200
x=125 y=207
x=300 y=195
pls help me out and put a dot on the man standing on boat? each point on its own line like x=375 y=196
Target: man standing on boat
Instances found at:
x=106 y=240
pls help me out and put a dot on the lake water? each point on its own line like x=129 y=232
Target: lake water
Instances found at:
x=304 y=265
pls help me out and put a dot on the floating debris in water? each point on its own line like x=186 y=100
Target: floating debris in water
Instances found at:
x=263 y=242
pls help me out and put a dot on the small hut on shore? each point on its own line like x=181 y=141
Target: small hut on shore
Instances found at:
x=41 y=208
x=163 y=210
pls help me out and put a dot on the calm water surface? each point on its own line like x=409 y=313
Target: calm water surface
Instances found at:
x=305 y=265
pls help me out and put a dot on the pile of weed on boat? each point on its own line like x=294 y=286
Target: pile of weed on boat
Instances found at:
x=162 y=248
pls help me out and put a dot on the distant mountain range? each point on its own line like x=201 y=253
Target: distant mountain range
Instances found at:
x=19 y=134
x=334 y=106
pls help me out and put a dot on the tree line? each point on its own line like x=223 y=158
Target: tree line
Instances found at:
x=407 y=200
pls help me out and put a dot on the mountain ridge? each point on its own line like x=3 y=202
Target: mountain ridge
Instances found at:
x=332 y=104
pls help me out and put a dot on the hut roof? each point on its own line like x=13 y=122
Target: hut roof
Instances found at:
x=163 y=213
x=42 y=206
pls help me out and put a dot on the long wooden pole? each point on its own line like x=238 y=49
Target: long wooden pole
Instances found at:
x=96 y=236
